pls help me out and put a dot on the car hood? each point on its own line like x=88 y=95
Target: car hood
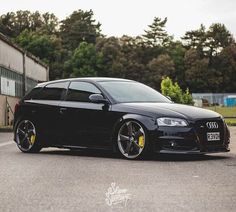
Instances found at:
x=169 y=110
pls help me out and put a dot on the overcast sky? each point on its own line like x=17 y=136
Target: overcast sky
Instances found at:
x=131 y=17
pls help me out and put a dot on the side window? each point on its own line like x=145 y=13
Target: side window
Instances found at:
x=33 y=93
x=52 y=91
x=80 y=91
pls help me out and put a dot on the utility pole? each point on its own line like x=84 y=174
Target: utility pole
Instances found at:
x=48 y=73
x=24 y=75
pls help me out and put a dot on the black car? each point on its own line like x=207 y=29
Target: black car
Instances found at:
x=118 y=114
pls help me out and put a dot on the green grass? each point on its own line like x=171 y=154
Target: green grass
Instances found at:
x=225 y=112
x=231 y=122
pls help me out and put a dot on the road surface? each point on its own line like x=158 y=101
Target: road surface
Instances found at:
x=61 y=180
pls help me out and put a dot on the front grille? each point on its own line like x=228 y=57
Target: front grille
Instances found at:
x=202 y=130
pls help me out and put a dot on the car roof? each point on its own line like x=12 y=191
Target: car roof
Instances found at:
x=91 y=79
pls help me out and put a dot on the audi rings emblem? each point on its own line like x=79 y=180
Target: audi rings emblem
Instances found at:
x=212 y=125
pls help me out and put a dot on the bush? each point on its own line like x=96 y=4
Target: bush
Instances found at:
x=168 y=88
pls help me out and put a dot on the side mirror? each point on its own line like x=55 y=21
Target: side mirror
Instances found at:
x=98 y=98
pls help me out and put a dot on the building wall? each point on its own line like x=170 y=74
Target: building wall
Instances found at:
x=10 y=57
x=19 y=72
x=34 y=70
x=3 y=113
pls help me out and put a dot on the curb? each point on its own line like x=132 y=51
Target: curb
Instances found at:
x=7 y=129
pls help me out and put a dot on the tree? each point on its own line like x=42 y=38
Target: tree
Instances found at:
x=156 y=35
x=79 y=27
x=196 y=39
x=159 y=67
x=84 y=61
x=121 y=57
x=208 y=42
x=217 y=38
x=203 y=72
x=12 y=24
x=50 y=23
x=226 y=64
x=168 y=88
x=176 y=51
x=111 y=51
x=47 y=47
x=196 y=71
x=133 y=58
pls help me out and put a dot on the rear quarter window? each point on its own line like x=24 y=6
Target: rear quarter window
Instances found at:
x=53 y=91
x=32 y=94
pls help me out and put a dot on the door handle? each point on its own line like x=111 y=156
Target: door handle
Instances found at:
x=62 y=110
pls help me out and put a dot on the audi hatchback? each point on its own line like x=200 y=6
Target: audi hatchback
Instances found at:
x=117 y=114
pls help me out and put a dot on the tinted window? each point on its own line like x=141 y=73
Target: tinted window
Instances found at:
x=80 y=91
x=32 y=94
x=52 y=91
x=123 y=91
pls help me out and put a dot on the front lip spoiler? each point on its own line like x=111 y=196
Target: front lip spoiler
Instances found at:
x=192 y=152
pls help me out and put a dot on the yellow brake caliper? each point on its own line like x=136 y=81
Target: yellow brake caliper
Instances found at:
x=32 y=139
x=141 y=141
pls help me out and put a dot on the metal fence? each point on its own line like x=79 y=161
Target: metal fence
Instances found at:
x=212 y=98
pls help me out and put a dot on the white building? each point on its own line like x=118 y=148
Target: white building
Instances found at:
x=20 y=71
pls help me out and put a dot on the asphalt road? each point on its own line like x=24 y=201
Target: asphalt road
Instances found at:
x=61 y=180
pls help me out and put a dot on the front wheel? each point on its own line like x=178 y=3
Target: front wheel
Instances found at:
x=26 y=137
x=132 y=140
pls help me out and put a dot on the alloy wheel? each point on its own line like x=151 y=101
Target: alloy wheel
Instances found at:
x=131 y=139
x=25 y=135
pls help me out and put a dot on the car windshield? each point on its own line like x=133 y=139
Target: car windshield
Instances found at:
x=123 y=91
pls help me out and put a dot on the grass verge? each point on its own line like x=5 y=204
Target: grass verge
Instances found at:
x=225 y=112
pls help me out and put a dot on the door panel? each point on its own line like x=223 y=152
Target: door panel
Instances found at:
x=85 y=123
x=43 y=107
x=45 y=114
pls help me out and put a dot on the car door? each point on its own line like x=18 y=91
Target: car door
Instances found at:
x=44 y=109
x=84 y=122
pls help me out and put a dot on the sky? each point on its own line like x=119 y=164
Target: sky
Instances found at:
x=132 y=17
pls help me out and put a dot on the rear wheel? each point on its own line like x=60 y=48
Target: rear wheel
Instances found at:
x=132 y=140
x=26 y=137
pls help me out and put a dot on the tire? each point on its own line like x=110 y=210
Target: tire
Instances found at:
x=27 y=137
x=132 y=140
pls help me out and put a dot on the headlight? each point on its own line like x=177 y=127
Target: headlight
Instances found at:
x=172 y=122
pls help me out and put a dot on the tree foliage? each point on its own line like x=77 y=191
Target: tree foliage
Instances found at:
x=79 y=27
x=14 y=23
x=160 y=67
x=157 y=35
x=204 y=60
x=84 y=61
x=173 y=90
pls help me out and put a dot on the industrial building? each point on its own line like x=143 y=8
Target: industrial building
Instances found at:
x=20 y=71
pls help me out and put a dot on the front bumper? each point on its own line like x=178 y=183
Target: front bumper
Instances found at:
x=191 y=139
x=194 y=152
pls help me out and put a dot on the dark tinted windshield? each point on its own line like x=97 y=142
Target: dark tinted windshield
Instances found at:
x=122 y=91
